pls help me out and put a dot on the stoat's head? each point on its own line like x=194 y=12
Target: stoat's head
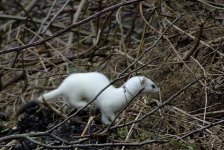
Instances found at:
x=137 y=83
x=148 y=85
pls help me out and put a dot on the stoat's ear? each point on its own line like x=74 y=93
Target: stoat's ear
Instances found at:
x=143 y=79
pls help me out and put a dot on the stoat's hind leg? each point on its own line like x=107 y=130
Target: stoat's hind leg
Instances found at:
x=77 y=102
x=112 y=117
x=105 y=119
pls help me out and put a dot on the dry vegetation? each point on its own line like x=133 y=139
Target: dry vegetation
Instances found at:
x=178 y=44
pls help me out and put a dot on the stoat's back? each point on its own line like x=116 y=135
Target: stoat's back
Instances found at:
x=86 y=85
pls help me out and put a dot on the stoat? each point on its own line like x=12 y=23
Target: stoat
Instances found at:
x=79 y=88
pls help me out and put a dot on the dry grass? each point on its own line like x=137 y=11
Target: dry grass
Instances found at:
x=112 y=42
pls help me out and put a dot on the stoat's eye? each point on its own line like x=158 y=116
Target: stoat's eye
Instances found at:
x=153 y=86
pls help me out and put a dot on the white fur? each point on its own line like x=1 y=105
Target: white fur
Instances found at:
x=85 y=86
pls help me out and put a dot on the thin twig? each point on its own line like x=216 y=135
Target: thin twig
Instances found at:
x=70 y=27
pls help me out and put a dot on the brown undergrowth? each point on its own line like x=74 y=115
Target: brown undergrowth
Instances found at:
x=178 y=44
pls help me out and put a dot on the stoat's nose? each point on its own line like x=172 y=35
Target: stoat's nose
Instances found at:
x=156 y=89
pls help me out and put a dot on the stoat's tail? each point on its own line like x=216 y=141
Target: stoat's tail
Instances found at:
x=49 y=95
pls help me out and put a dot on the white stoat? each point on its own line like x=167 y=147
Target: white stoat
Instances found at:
x=85 y=86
